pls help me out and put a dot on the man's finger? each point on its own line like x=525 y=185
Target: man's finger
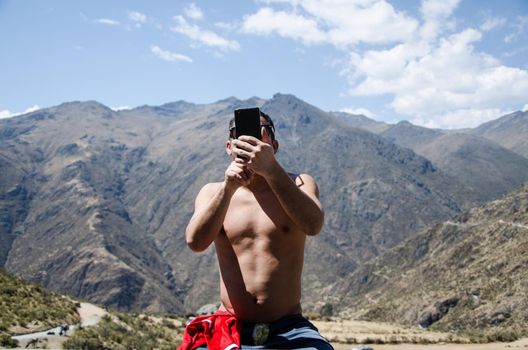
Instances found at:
x=249 y=139
x=240 y=162
x=241 y=144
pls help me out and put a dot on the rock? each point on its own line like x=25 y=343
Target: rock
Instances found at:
x=207 y=309
x=499 y=317
x=362 y=347
x=439 y=310
x=327 y=310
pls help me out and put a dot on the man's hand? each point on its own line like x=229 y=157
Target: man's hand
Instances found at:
x=259 y=156
x=237 y=174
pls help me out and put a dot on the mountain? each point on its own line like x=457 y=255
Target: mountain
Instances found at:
x=75 y=235
x=94 y=202
x=361 y=122
x=508 y=131
x=465 y=274
x=484 y=167
x=409 y=135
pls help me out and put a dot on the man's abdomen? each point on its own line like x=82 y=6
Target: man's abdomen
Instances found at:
x=265 y=283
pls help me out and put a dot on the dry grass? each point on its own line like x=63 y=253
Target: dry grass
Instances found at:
x=359 y=332
x=344 y=335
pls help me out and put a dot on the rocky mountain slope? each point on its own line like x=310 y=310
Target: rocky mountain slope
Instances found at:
x=94 y=202
x=479 y=163
x=466 y=274
x=486 y=168
x=361 y=122
x=508 y=131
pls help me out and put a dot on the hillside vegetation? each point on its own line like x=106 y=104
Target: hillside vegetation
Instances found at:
x=26 y=307
x=120 y=331
x=467 y=275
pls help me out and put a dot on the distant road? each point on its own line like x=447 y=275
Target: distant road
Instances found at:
x=43 y=334
x=90 y=316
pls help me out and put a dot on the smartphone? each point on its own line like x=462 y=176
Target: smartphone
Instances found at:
x=247 y=122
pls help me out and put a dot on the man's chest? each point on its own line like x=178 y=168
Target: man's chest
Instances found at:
x=251 y=215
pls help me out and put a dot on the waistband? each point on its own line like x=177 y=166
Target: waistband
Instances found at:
x=259 y=333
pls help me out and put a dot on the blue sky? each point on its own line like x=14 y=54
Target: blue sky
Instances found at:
x=436 y=63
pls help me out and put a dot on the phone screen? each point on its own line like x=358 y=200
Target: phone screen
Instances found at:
x=247 y=122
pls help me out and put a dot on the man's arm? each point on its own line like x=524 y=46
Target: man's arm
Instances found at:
x=211 y=207
x=301 y=203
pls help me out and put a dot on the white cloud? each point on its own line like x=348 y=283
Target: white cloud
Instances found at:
x=169 y=56
x=438 y=9
x=462 y=118
x=226 y=26
x=266 y=21
x=107 y=21
x=338 y=22
x=359 y=111
x=32 y=109
x=137 y=17
x=429 y=66
x=518 y=29
x=435 y=14
x=492 y=22
x=120 y=108
x=7 y=114
x=439 y=81
x=204 y=37
x=192 y=11
x=525 y=108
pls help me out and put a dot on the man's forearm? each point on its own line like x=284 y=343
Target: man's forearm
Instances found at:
x=304 y=211
x=207 y=222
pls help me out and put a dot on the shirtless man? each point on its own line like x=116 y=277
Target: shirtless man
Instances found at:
x=258 y=219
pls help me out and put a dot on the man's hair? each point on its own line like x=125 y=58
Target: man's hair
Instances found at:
x=262 y=114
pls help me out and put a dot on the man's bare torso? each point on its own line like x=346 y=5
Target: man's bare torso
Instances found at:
x=260 y=253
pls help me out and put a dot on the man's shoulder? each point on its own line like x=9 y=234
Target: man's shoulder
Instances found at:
x=301 y=178
x=207 y=191
x=211 y=187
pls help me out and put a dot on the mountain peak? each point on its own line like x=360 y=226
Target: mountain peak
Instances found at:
x=229 y=100
x=405 y=123
x=286 y=97
x=177 y=105
x=509 y=131
x=90 y=104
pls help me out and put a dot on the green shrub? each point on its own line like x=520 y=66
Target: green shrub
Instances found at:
x=503 y=335
x=83 y=343
x=168 y=324
x=7 y=341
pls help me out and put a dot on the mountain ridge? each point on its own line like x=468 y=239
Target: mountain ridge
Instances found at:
x=103 y=197
x=465 y=274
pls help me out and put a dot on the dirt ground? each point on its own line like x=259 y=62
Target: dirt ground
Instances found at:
x=345 y=335
x=520 y=345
